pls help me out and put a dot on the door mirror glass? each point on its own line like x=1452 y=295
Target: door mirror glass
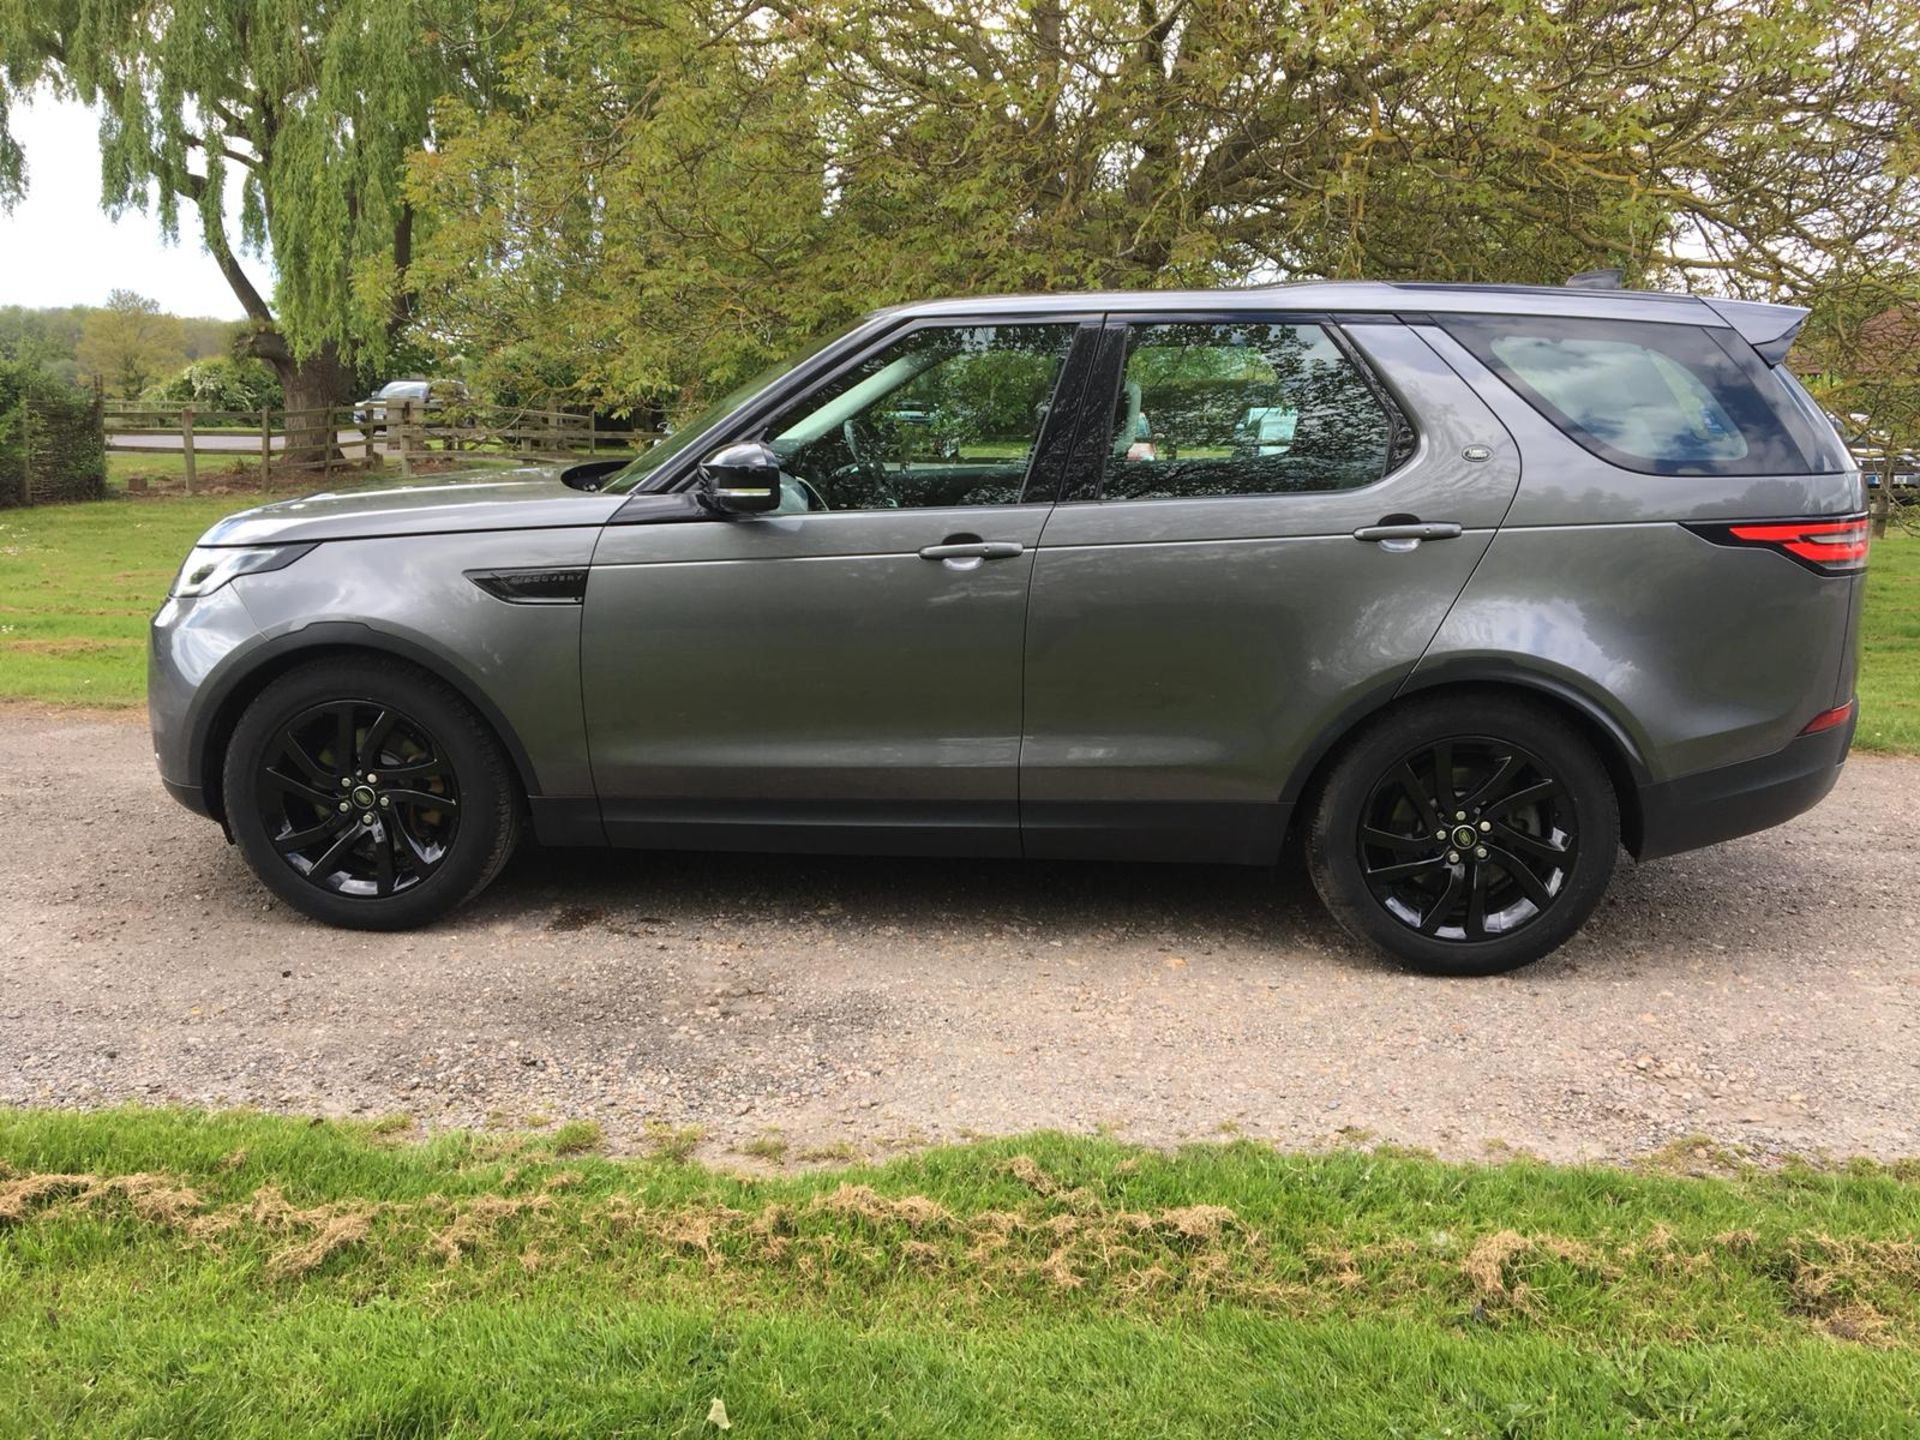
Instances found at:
x=742 y=479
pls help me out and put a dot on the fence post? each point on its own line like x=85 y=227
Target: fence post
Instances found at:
x=266 y=445
x=406 y=437
x=186 y=448
x=326 y=451
x=372 y=455
x=26 y=454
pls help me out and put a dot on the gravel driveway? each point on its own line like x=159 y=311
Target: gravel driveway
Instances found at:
x=1766 y=992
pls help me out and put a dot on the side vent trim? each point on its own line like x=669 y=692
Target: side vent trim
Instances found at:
x=536 y=585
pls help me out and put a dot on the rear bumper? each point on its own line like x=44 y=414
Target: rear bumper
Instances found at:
x=1734 y=800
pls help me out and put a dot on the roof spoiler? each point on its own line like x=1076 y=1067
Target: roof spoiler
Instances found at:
x=1768 y=328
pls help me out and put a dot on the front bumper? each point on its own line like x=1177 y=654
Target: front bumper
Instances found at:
x=186 y=643
x=1734 y=800
x=191 y=796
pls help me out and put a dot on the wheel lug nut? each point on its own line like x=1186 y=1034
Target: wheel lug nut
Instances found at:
x=346 y=781
x=372 y=779
x=1459 y=814
x=1479 y=852
x=1453 y=857
x=367 y=819
x=384 y=802
x=344 y=807
x=1486 y=824
x=1439 y=834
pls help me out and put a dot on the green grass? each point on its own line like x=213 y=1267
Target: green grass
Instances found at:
x=78 y=583
x=227 y=468
x=171 y=1273
x=1890 y=648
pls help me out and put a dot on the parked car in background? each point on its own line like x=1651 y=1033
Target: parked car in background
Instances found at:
x=1265 y=430
x=1536 y=574
x=429 y=399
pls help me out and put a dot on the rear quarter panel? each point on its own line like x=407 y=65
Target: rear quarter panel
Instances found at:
x=1701 y=655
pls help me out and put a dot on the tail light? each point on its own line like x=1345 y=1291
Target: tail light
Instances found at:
x=1826 y=546
x=1828 y=719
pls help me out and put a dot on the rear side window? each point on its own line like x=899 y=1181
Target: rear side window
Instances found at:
x=1657 y=398
x=1244 y=409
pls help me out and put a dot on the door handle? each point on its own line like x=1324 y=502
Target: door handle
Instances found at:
x=974 y=550
x=1412 y=531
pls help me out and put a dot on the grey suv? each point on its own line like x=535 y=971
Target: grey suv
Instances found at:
x=1527 y=575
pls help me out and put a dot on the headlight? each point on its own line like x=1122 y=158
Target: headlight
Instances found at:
x=210 y=567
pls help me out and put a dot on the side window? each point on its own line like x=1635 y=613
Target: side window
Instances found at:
x=1648 y=396
x=943 y=417
x=1243 y=409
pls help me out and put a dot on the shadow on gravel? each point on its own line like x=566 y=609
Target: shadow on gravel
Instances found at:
x=1667 y=908
x=1041 y=897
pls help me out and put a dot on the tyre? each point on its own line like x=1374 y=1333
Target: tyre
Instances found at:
x=366 y=793
x=1464 y=835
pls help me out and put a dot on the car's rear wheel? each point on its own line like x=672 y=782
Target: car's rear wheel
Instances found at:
x=368 y=794
x=1465 y=835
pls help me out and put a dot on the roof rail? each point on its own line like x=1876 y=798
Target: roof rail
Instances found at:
x=1596 y=280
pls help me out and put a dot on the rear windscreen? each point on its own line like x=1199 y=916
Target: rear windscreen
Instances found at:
x=1661 y=399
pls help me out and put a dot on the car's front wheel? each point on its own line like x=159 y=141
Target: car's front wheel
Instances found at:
x=368 y=794
x=1465 y=835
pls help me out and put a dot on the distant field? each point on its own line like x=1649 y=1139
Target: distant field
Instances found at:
x=78 y=583
x=172 y=1273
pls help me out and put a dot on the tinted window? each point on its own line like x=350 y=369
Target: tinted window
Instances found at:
x=1242 y=409
x=941 y=417
x=1660 y=399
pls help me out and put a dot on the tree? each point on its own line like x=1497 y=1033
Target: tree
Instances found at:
x=128 y=343
x=314 y=103
x=678 y=190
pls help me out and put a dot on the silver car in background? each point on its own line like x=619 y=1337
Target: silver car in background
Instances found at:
x=1525 y=576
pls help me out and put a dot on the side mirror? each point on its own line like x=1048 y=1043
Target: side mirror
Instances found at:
x=742 y=479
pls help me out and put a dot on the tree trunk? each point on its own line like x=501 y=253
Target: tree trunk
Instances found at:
x=318 y=382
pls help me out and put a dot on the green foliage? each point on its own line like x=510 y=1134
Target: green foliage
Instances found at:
x=670 y=195
x=50 y=442
x=125 y=344
x=223 y=384
x=315 y=105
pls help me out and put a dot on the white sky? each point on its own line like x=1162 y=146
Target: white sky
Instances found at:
x=57 y=247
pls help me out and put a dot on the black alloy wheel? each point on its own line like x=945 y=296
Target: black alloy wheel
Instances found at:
x=1467 y=839
x=1464 y=834
x=358 y=798
x=366 y=792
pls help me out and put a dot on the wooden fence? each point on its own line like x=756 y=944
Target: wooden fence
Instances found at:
x=318 y=443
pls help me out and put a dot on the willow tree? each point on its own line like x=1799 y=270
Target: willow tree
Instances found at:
x=313 y=104
x=689 y=183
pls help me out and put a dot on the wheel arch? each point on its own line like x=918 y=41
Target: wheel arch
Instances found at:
x=1619 y=752
x=221 y=710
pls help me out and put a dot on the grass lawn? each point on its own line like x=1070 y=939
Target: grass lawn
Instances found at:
x=172 y=1273
x=1890 y=648
x=78 y=582
x=168 y=466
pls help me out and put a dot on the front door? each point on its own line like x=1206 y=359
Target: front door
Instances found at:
x=844 y=672
x=1243 y=573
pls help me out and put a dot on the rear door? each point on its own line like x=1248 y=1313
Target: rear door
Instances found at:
x=1267 y=520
